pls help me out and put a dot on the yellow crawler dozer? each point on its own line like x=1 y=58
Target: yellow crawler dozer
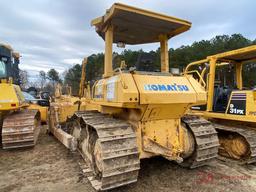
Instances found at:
x=19 y=126
x=63 y=107
x=130 y=115
x=231 y=106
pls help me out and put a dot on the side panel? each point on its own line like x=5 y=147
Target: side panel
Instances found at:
x=165 y=89
x=43 y=112
x=241 y=107
x=237 y=103
x=201 y=94
x=119 y=89
x=10 y=97
x=164 y=111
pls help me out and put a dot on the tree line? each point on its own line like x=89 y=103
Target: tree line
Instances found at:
x=45 y=81
x=178 y=58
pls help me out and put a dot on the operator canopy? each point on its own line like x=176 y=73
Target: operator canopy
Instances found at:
x=239 y=55
x=137 y=26
x=6 y=46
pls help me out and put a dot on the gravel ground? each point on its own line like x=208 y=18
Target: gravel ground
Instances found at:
x=49 y=166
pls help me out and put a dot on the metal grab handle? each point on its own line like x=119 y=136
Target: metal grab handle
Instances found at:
x=122 y=81
x=201 y=80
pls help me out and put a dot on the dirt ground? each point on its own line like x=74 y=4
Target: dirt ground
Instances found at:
x=49 y=166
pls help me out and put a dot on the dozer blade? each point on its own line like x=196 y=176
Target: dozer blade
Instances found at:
x=20 y=129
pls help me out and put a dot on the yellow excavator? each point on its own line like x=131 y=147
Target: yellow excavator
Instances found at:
x=231 y=106
x=19 y=126
x=130 y=115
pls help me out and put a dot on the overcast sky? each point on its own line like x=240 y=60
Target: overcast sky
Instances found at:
x=57 y=33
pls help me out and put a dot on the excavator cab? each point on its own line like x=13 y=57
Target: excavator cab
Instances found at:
x=231 y=106
x=5 y=61
x=9 y=61
x=9 y=79
x=19 y=126
x=3 y=73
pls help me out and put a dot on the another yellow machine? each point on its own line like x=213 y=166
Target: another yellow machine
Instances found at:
x=64 y=107
x=230 y=106
x=19 y=126
x=43 y=112
x=131 y=115
x=38 y=104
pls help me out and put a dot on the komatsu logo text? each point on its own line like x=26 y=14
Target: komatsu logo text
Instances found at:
x=170 y=87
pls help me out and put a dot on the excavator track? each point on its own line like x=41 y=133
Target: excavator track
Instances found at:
x=248 y=133
x=20 y=129
x=109 y=148
x=206 y=140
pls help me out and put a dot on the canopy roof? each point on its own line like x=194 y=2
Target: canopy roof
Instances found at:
x=243 y=54
x=132 y=25
x=6 y=46
x=16 y=55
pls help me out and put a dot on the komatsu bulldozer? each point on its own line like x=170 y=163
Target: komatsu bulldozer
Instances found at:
x=130 y=115
x=230 y=105
x=19 y=126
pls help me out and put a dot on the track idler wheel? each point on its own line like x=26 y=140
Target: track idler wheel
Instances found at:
x=234 y=146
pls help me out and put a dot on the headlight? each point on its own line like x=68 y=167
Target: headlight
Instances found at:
x=34 y=102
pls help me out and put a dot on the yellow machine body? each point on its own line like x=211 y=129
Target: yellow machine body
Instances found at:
x=234 y=114
x=62 y=108
x=42 y=109
x=245 y=114
x=67 y=105
x=153 y=103
x=129 y=115
x=11 y=97
x=19 y=127
x=64 y=105
x=237 y=58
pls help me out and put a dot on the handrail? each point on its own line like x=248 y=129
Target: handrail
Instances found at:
x=200 y=62
x=122 y=81
x=201 y=80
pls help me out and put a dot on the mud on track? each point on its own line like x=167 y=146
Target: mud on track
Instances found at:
x=49 y=166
